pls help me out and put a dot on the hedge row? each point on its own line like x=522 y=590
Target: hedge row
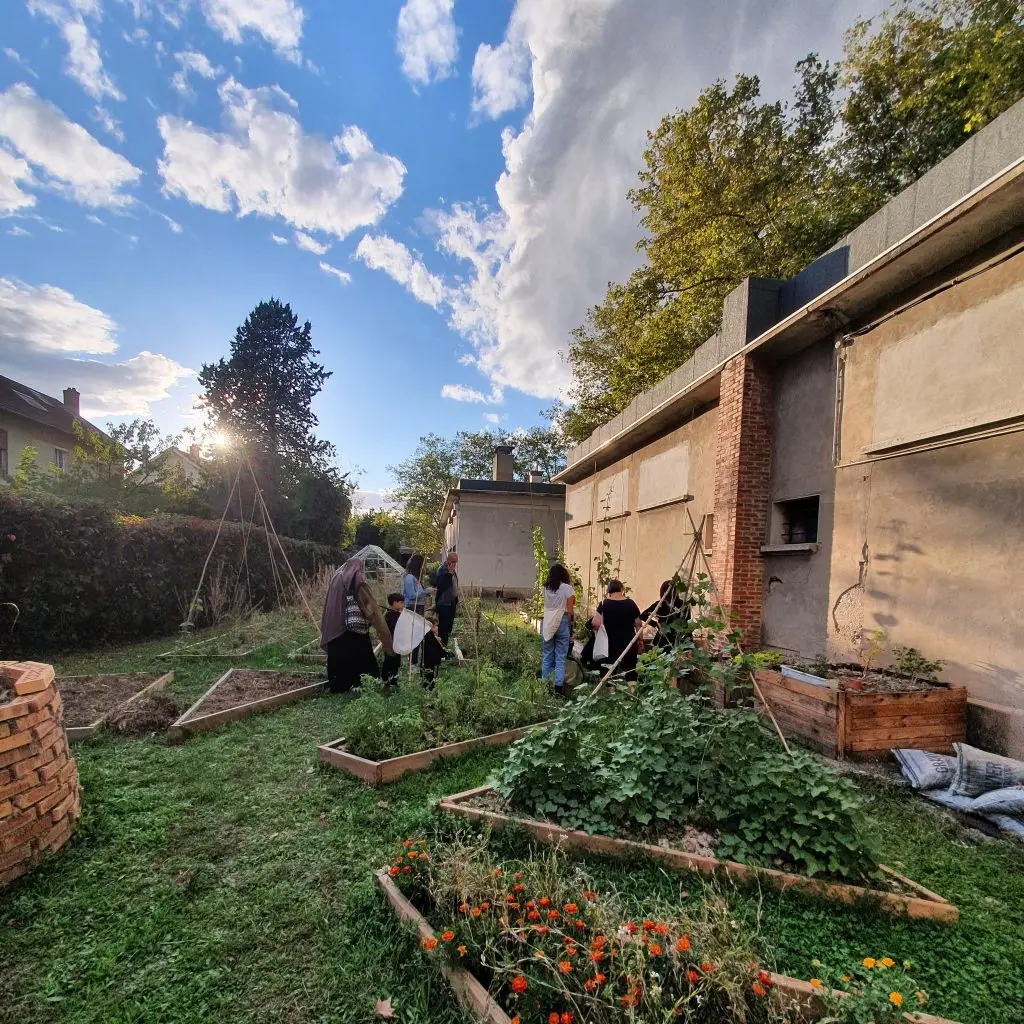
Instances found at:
x=83 y=575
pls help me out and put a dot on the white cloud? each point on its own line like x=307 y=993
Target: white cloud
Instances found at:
x=107 y=122
x=279 y=239
x=93 y=219
x=342 y=277
x=310 y=244
x=11 y=54
x=44 y=334
x=380 y=252
x=191 y=62
x=68 y=159
x=83 y=63
x=17 y=231
x=277 y=21
x=492 y=417
x=265 y=164
x=461 y=393
x=172 y=224
x=501 y=76
x=428 y=41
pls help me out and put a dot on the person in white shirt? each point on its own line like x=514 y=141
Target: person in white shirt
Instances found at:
x=556 y=629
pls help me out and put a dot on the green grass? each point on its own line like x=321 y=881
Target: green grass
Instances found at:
x=229 y=879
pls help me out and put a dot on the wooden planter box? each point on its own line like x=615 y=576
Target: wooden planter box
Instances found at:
x=790 y=994
x=865 y=726
x=378 y=772
x=926 y=904
x=79 y=732
x=186 y=726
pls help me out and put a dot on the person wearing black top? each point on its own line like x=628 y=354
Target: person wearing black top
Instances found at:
x=392 y=662
x=672 y=613
x=447 y=597
x=620 y=617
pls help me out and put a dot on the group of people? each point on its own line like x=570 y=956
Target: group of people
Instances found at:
x=350 y=609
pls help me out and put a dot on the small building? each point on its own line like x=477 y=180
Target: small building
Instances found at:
x=30 y=419
x=490 y=524
x=176 y=466
x=850 y=445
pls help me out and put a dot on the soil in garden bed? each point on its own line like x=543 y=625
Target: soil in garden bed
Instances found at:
x=873 y=682
x=87 y=698
x=244 y=686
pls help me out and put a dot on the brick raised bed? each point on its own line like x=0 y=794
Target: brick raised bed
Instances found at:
x=864 y=726
x=926 y=904
x=147 y=685
x=191 y=722
x=790 y=994
x=378 y=772
x=39 y=796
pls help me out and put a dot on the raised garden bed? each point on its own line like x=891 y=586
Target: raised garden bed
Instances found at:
x=309 y=654
x=791 y=995
x=378 y=772
x=924 y=904
x=865 y=725
x=90 y=700
x=242 y=692
x=224 y=646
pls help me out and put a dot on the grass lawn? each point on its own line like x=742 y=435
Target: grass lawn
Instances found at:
x=229 y=879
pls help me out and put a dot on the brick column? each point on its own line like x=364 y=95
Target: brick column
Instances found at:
x=742 y=470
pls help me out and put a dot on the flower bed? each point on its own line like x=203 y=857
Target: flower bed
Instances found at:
x=533 y=942
x=90 y=700
x=240 y=693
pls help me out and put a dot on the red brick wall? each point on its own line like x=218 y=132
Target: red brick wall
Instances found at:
x=39 y=800
x=742 y=470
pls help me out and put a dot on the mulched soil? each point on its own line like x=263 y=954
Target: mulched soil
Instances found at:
x=87 y=698
x=880 y=682
x=246 y=685
x=151 y=714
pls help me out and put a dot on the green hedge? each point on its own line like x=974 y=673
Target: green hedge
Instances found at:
x=83 y=575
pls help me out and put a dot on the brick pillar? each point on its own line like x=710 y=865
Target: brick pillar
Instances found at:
x=742 y=469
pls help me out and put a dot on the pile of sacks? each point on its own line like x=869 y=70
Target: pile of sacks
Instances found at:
x=973 y=781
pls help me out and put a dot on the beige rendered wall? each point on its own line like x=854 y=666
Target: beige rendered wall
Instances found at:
x=494 y=538
x=928 y=545
x=648 y=544
x=23 y=433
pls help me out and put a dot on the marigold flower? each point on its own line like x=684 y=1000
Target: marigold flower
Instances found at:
x=815 y=982
x=648 y=926
x=519 y=877
x=660 y=928
x=392 y=871
x=758 y=989
x=631 y=998
x=531 y=904
x=447 y=936
x=423 y=856
x=600 y=979
x=407 y=844
x=544 y=901
x=519 y=984
x=565 y=966
x=518 y=888
x=631 y=928
x=462 y=951
x=553 y=915
x=541 y=929
x=895 y=998
x=596 y=956
x=475 y=912
x=552 y=1018
x=707 y=967
x=515 y=1020
x=887 y=961
x=590 y=896
x=598 y=941
x=868 y=962
x=428 y=943
x=654 y=949
x=485 y=905
x=534 y=915
x=405 y=870
x=589 y=984
x=762 y=976
x=683 y=944
x=571 y=908
x=496 y=873
x=580 y=925
x=412 y=855
x=566 y=1018
x=692 y=976
x=463 y=908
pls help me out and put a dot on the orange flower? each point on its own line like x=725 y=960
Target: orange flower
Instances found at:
x=707 y=966
x=692 y=976
x=412 y=855
x=565 y=966
x=682 y=944
x=631 y=998
x=515 y=1020
x=648 y=926
x=590 y=896
x=496 y=873
x=631 y=928
x=895 y=998
x=407 y=844
x=462 y=950
x=815 y=983
x=463 y=907
x=758 y=989
x=519 y=878
x=541 y=929
x=531 y=904
x=534 y=915
x=868 y=962
x=392 y=871
x=552 y=1018
x=600 y=979
x=518 y=888
x=566 y=1018
x=597 y=942
x=447 y=936
x=405 y=870
x=596 y=956
x=544 y=901
x=519 y=985
x=661 y=929
x=423 y=856
x=485 y=906
x=571 y=908
x=846 y=979
x=762 y=976
x=475 y=912
x=887 y=961
x=428 y=943
x=654 y=949
x=580 y=925
x=553 y=915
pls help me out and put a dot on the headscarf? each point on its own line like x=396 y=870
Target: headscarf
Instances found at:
x=344 y=584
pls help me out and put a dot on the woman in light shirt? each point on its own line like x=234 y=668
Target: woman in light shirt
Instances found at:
x=559 y=604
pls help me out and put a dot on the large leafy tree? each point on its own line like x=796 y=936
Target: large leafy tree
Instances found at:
x=736 y=186
x=260 y=399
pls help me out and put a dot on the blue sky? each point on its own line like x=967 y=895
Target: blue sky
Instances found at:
x=437 y=185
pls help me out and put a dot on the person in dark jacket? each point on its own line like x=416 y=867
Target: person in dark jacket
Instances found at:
x=446 y=600
x=671 y=613
x=392 y=662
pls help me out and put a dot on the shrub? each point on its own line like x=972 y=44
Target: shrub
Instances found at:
x=83 y=575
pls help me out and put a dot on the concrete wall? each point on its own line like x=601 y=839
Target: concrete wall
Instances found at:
x=928 y=537
x=22 y=433
x=647 y=544
x=797 y=583
x=493 y=536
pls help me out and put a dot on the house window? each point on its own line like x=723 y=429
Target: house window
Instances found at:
x=708 y=533
x=798 y=520
x=3 y=454
x=61 y=459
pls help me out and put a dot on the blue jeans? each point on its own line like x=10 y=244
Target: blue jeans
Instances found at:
x=555 y=651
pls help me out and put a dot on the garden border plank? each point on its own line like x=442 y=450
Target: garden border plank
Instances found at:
x=179 y=653
x=789 y=993
x=186 y=726
x=377 y=773
x=80 y=732
x=931 y=907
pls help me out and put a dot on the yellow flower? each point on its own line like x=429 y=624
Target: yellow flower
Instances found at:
x=895 y=998
x=816 y=982
x=887 y=961
x=868 y=962
x=846 y=979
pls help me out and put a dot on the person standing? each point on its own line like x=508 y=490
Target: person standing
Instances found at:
x=556 y=628
x=415 y=596
x=349 y=611
x=447 y=597
x=620 y=617
x=671 y=613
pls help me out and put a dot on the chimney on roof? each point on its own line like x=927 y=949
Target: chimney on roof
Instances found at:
x=194 y=452
x=504 y=465
x=71 y=400
x=536 y=476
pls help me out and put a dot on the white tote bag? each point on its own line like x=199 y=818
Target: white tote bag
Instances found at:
x=601 y=644
x=552 y=620
x=410 y=629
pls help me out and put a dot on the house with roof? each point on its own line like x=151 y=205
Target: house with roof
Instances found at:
x=30 y=419
x=849 y=448
x=174 y=466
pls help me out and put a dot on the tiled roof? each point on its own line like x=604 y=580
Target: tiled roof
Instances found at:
x=21 y=400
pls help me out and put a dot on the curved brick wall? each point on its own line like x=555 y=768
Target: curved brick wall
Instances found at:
x=39 y=802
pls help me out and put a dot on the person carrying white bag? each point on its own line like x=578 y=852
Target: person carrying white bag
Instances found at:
x=556 y=627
